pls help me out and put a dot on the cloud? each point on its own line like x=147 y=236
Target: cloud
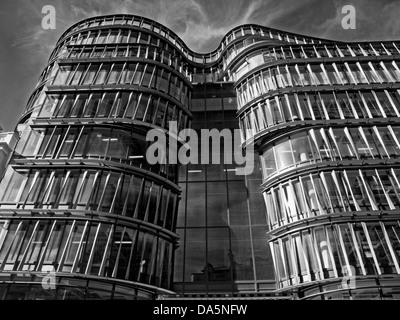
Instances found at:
x=200 y=23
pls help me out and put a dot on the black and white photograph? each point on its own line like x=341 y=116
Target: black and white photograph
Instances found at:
x=199 y=158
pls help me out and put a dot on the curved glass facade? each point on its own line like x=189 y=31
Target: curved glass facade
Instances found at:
x=323 y=117
x=78 y=197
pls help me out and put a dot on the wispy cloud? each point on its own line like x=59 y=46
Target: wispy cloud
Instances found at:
x=200 y=23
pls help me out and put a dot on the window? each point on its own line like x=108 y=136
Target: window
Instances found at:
x=284 y=155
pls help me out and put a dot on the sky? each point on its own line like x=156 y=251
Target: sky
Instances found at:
x=25 y=46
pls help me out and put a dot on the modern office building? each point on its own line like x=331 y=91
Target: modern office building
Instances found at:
x=83 y=214
x=8 y=141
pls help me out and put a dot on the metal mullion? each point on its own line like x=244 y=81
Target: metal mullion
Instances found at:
x=350 y=73
x=137 y=105
x=162 y=254
x=58 y=104
x=350 y=138
x=141 y=252
x=159 y=198
x=47 y=188
x=343 y=248
x=28 y=244
x=316 y=251
x=103 y=260
x=22 y=187
x=350 y=190
x=313 y=77
x=318 y=96
x=93 y=187
x=134 y=240
x=394 y=63
x=389 y=97
x=278 y=104
x=330 y=252
x=120 y=31
x=122 y=72
x=298 y=105
x=356 y=246
x=79 y=247
x=325 y=185
x=390 y=202
x=303 y=195
x=283 y=260
x=388 y=74
x=108 y=36
x=57 y=152
x=90 y=259
x=174 y=211
x=170 y=261
x=352 y=106
x=71 y=76
x=119 y=185
x=293 y=258
x=276 y=205
x=368 y=190
x=277 y=274
x=386 y=50
x=74 y=201
x=379 y=104
x=394 y=136
x=308 y=269
x=104 y=191
x=338 y=73
x=98 y=69
x=127 y=196
x=369 y=63
x=77 y=141
x=338 y=106
x=284 y=203
x=326 y=74
x=169 y=196
x=389 y=244
x=165 y=114
x=314 y=140
x=143 y=74
x=96 y=38
x=51 y=137
x=154 y=259
x=114 y=273
x=328 y=144
x=41 y=258
x=395 y=177
x=128 y=38
x=294 y=199
x=37 y=173
x=358 y=64
x=152 y=121
x=316 y=195
x=115 y=105
x=11 y=245
x=57 y=143
x=86 y=104
x=112 y=65
x=371 y=247
x=127 y=105
x=147 y=107
x=365 y=104
x=84 y=73
x=142 y=185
